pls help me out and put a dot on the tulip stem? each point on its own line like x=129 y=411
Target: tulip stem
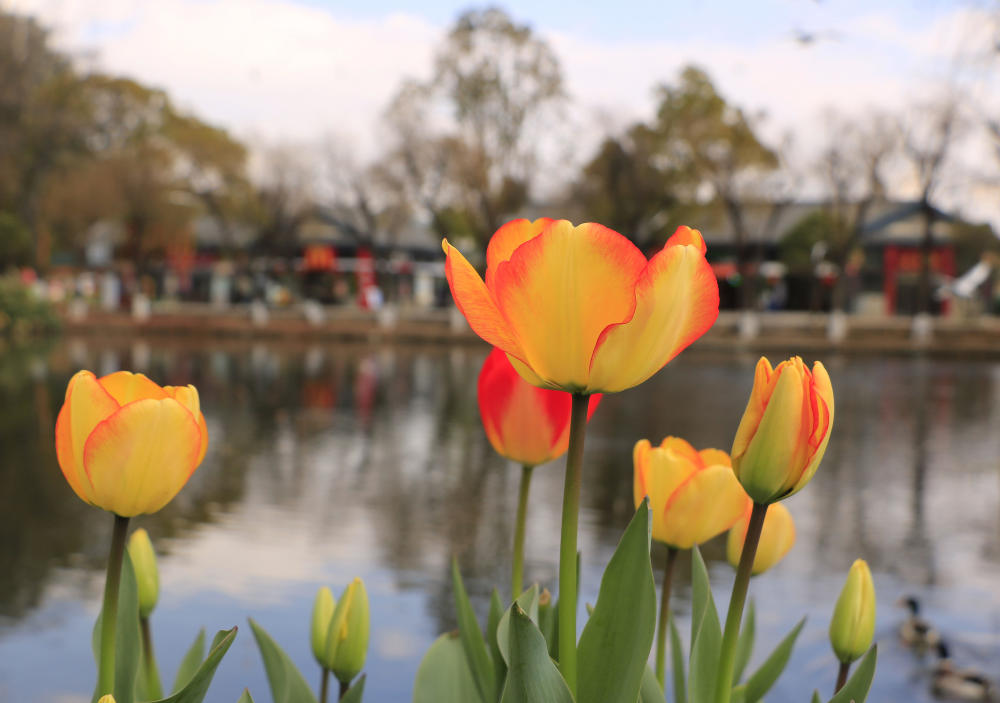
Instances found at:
x=727 y=654
x=109 y=615
x=517 y=573
x=661 y=632
x=324 y=685
x=567 y=541
x=845 y=668
x=154 y=689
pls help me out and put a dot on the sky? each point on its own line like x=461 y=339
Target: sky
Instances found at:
x=295 y=70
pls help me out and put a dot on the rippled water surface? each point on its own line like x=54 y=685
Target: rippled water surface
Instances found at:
x=331 y=461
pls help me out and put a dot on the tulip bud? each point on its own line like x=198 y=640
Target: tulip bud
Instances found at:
x=784 y=430
x=776 y=538
x=347 y=638
x=853 y=624
x=108 y=698
x=147 y=577
x=323 y=609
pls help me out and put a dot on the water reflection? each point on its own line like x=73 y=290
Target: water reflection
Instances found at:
x=328 y=461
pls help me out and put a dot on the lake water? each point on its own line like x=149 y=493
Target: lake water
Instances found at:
x=331 y=461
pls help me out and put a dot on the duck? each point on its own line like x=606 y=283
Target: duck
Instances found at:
x=959 y=684
x=915 y=631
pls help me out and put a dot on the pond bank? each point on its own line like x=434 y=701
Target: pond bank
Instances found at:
x=979 y=336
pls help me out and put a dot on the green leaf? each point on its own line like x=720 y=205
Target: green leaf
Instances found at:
x=444 y=675
x=816 y=698
x=128 y=641
x=246 y=697
x=649 y=690
x=191 y=661
x=217 y=640
x=472 y=640
x=354 y=693
x=528 y=602
x=197 y=687
x=615 y=643
x=744 y=644
x=287 y=684
x=532 y=677
x=677 y=663
x=548 y=623
x=762 y=680
x=707 y=636
x=492 y=623
x=856 y=688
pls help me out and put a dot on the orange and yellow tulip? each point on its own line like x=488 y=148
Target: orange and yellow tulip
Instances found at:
x=785 y=429
x=693 y=496
x=776 y=538
x=125 y=444
x=524 y=423
x=581 y=309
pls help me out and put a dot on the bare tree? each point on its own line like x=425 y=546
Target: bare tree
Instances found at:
x=284 y=196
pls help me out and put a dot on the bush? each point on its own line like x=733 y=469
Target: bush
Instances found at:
x=22 y=313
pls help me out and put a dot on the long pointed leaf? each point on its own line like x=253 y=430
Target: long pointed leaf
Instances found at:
x=528 y=602
x=472 y=639
x=615 y=643
x=191 y=661
x=492 y=623
x=197 y=687
x=744 y=644
x=650 y=691
x=762 y=680
x=532 y=676
x=354 y=693
x=677 y=663
x=246 y=697
x=856 y=688
x=444 y=675
x=707 y=642
x=285 y=679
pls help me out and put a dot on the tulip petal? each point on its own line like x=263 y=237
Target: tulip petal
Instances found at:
x=188 y=397
x=126 y=387
x=686 y=235
x=560 y=290
x=776 y=538
x=683 y=448
x=754 y=413
x=86 y=405
x=676 y=301
x=705 y=505
x=507 y=239
x=775 y=443
x=659 y=473
x=141 y=456
x=714 y=457
x=822 y=424
x=476 y=302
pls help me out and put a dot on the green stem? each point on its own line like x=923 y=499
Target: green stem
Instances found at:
x=324 y=685
x=724 y=681
x=154 y=689
x=109 y=615
x=517 y=573
x=567 y=542
x=661 y=631
x=845 y=668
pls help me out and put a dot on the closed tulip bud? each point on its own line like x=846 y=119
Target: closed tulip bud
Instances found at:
x=107 y=699
x=693 y=496
x=347 y=638
x=785 y=429
x=853 y=624
x=524 y=423
x=147 y=576
x=776 y=538
x=323 y=608
x=127 y=445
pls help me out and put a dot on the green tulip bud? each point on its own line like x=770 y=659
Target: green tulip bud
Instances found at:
x=147 y=577
x=853 y=625
x=347 y=638
x=322 y=614
x=107 y=699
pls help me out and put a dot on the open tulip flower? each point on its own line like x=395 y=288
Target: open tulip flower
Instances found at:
x=777 y=537
x=785 y=429
x=693 y=496
x=127 y=445
x=581 y=309
x=524 y=423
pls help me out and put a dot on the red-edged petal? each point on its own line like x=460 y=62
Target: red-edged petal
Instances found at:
x=507 y=239
x=86 y=405
x=126 y=387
